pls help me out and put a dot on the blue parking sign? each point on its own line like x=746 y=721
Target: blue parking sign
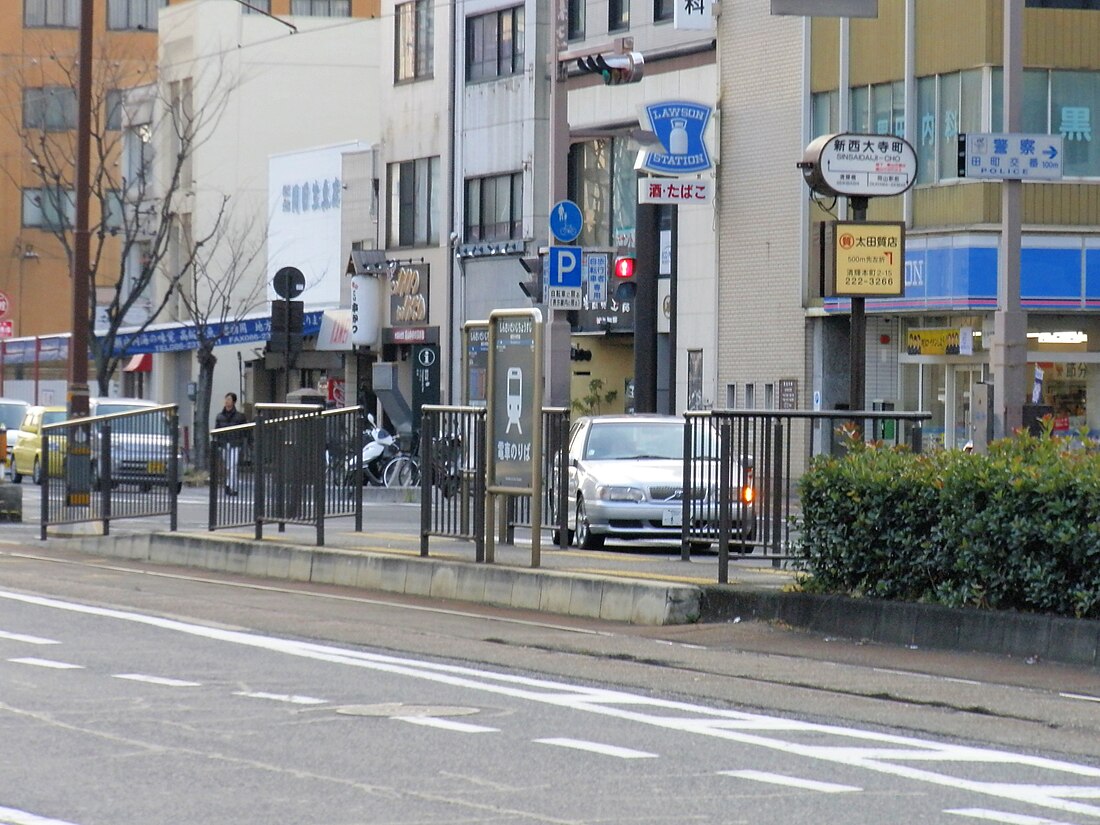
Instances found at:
x=564 y=267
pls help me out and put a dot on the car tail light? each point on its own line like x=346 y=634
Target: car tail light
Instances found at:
x=748 y=494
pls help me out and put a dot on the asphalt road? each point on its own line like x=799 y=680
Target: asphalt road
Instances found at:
x=154 y=695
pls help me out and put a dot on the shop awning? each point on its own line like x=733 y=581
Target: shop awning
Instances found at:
x=142 y=362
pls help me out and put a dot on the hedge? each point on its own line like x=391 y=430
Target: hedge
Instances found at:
x=1018 y=528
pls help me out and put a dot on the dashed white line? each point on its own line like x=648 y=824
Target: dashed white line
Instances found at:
x=31 y=660
x=596 y=747
x=31 y=640
x=11 y=816
x=282 y=697
x=445 y=724
x=792 y=781
x=1001 y=816
x=156 y=680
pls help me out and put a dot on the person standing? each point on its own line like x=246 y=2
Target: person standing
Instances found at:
x=230 y=416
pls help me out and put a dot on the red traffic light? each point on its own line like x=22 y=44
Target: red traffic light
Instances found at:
x=624 y=267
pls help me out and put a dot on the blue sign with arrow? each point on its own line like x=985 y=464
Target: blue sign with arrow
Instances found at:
x=680 y=126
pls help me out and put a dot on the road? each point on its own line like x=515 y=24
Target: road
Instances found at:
x=155 y=695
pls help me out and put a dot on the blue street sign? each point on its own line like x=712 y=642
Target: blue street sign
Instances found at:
x=679 y=125
x=1010 y=156
x=566 y=221
x=564 y=268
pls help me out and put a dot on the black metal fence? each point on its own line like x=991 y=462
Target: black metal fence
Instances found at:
x=555 y=491
x=742 y=467
x=296 y=464
x=109 y=467
x=452 y=475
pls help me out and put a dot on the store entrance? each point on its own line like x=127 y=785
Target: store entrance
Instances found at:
x=961 y=392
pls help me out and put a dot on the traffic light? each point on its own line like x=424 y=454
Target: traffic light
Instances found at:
x=532 y=287
x=625 y=286
x=578 y=354
x=286 y=326
x=616 y=69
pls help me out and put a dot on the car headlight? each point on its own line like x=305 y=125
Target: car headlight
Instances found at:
x=608 y=492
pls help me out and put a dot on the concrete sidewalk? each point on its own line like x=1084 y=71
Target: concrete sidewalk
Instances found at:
x=642 y=585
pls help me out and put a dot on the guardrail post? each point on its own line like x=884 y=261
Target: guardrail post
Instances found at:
x=427 y=428
x=776 y=488
x=687 y=489
x=45 y=503
x=315 y=426
x=173 y=468
x=479 y=485
x=106 y=475
x=259 y=503
x=725 y=461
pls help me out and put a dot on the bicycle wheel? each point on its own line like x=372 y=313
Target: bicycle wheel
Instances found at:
x=402 y=471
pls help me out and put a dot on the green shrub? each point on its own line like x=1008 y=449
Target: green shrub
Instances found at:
x=1018 y=528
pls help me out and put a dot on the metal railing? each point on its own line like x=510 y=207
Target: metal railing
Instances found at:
x=296 y=464
x=742 y=467
x=109 y=467
x=555 y=474
x=452 y=475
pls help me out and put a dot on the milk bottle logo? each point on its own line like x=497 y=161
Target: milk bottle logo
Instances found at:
x=678 y=137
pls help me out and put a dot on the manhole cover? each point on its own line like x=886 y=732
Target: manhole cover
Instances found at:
x=387 y=709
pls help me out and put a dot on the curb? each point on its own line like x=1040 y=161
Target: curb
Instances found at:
x=1006 y=633
x=594 y=597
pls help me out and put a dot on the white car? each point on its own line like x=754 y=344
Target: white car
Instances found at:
x=626 y=481
x=12 y=411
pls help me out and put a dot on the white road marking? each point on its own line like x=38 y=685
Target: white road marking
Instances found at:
x=11 y=816
x=1001 y=816
x=282 y=697
x=596 y=747
x=445 y=724
x=792 y=781
x=661 y=713
x=156 y=680
x=31 y=640
x=1082 y=696
x=31 y=660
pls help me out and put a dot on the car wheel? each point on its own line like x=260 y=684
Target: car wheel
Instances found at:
x=36 y=472
x=700 y=546
x=555 y=537
x=96 y=482
x=585 y=539
x=16 y=476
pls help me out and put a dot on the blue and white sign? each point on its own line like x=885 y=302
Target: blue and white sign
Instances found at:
x=1010 y=156
x=680 y=126
x=563 y=277
x=565 y=221
x=595 y=274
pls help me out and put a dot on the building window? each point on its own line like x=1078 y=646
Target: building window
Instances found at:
x=413 y=216
x=113 y=109
x=575 y=30
x=618 y=15
x=49 y=208
x=412 y=47
x=1063 y=4
x=878 y=109
x=52 y=108
x=826 y=106
x=321 y=8
x=602 y=181
x=494 y=44
x=56 y=13
x=113 y=211
x=662 y=10
x=257 y=7
x=140 y=15
x=494 y=208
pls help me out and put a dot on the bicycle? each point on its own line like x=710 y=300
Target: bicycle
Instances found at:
x=403 y=470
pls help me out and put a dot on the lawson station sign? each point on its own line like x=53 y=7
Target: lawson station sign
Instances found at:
x=680 y=126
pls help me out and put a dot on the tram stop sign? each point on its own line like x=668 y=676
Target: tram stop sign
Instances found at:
x=289 y=283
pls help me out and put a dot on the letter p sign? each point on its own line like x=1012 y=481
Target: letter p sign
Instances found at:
x=565 y=266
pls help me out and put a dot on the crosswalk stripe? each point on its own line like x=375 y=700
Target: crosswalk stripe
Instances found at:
x=792 y=781
x=596 y=747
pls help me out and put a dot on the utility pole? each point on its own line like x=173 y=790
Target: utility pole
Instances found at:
x=78 y=343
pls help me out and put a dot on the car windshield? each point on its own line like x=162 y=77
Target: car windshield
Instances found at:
x=11 y=415
x=133 y=424
x=619 y=440
x=53 y=416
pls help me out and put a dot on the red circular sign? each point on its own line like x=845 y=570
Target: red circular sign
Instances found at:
x=847 y=241
x=3 y=304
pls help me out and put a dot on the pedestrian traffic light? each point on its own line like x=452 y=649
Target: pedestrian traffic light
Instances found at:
x=532 y=287
x=616 y=69
x=625 y=286
x=287 y=319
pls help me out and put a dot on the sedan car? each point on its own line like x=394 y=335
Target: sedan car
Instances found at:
x=27 y=455
x=141 y=442
x=626 y=481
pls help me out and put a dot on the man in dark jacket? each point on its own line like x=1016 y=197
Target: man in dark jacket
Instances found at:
x=230 y=416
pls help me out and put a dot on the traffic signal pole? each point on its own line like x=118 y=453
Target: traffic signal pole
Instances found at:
x=557 y=328
x=647 y=246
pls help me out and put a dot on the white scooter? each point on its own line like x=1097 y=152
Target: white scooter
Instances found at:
x=378 y=448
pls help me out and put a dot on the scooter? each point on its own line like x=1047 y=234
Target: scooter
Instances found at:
x=378 y=448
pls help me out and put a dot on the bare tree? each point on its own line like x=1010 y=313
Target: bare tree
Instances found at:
x=217 y=292
x=133 y=218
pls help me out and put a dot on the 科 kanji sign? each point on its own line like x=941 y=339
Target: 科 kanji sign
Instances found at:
x=674 y=190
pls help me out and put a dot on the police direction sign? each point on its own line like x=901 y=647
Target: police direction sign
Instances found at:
x=1010 y=156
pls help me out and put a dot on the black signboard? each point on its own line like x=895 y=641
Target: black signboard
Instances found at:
x=425 y=360
x=515 y=399
x=477 y=363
